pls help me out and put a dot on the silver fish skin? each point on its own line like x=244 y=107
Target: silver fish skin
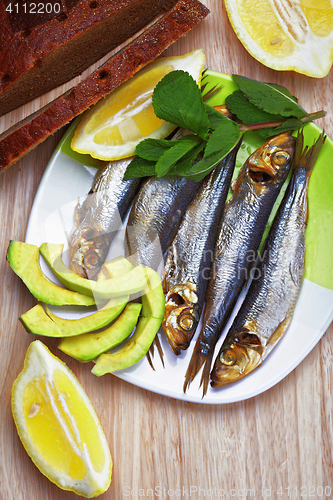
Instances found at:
x=270 y=302
x=99 y=217
x=189 y=257
x=242 y=226
x=155 y=217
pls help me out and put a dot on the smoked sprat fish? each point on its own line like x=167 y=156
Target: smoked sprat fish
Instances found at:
x=190 y=254
x=154 y=217
x=99 y=217
x=242 y=226
x=269 y=304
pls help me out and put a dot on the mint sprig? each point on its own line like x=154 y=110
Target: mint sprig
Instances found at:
x=171 y=156
x=269 y=98
x=177 y=99
x=267 y=108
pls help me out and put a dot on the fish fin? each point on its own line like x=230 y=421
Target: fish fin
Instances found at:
x=77 y=217
x=197 y=360
x=313 y=152
x=210 y=93
x=159 y=349
x=150 y=353
x=204 y=83
x=204 y=382
x=149 y=356
x=306 y=157
x=203 y=86
x=299 y=146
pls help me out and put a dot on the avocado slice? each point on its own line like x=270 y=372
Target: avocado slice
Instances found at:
x=153 y=300
x=132 y=351
x=135 y=348
x=130 y=282
x=90 y=345
x=116 y=267
x=41 y=322
x=24 y=261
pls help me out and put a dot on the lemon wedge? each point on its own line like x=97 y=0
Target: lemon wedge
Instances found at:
x=111 y=129
x=58 y=426
x=286 y=34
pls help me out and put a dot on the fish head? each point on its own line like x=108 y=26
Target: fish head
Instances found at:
x=181 y=316
x=272 y=160
x=88 y=252
x=237 y=359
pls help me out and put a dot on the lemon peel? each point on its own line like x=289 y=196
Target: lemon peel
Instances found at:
x=58 y=426
x=112 y=128
x=286 y=34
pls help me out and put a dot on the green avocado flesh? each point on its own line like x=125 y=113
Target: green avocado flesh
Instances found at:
x=137 y=346
x=41 y=322
x=116 y=267
x=132 y=351
x=24 y=261
x=90 y=345
x=153 y=301
x=130 y=282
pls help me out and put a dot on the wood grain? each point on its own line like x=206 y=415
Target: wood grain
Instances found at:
x=279 y=439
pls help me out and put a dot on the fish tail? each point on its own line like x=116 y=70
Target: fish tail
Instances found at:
x=204 y=382
x=149 y=356
x=313 y=152
x=151 y=350
x=306 y=157
x=159 y=349
x=198 y=360
x=299 y=148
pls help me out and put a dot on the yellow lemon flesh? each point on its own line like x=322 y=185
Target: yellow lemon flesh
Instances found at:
x=58 y=426
x=112 y=128
x=286 y=34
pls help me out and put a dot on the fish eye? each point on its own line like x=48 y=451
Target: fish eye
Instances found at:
x=228 y=357
x=91 y=260
x=188 y=320
x=281 y=158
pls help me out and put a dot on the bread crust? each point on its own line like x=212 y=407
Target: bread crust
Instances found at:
x=36 y=60
x=183 y=17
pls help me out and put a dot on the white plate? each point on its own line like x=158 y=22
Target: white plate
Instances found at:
x=68 y=178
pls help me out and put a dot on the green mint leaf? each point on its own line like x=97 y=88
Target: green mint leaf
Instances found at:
x=185 y=163
x=291 y=124
x=284 y=90
x=204 y=166
x=220 y=143
x=269 y=98
x=214 y=116
x=177 y=99
x=139 y=168
x=225 y=136
x=172 y=155
x=248 y=113
x=152 y=149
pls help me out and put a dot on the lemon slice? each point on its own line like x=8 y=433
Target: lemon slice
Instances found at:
x=58 y=425
x=286 y=34
x=112 y=128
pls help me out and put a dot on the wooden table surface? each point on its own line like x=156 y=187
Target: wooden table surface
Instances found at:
x=276 y=445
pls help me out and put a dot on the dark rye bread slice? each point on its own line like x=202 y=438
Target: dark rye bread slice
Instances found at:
x=39 y=52
x=183 y=17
